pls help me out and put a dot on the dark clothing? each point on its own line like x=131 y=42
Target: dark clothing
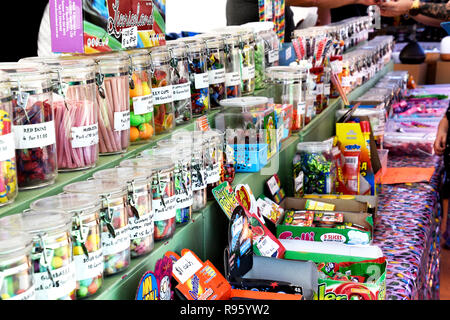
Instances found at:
x=242 y=11
x=348 y=11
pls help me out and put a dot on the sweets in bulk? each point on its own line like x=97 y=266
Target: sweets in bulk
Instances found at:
x=51 y=252
x=163 y=104
x=196 y=144
x=8 y=170
x=86 y=244
x=113 y=101
x=215 y=60
x=115 y=235
x=314 y=169
x=266 y=50
x=15 y=266
x=75 y=110
x=142 y=125
x=181 y=156
x=287 y=85
x=139 y=205
x=199 y=77
x=232 y=65
x=180 y=81
x=214 y=144
x=163 y=193
x=33 y=124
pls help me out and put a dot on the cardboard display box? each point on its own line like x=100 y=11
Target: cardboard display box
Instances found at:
x=442 y=72
x=418 y=71
x=79 y=26
x=354 y=212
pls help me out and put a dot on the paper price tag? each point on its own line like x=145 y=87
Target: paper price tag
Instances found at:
x=248 y=73
x=232 y=79
x=34 y=135
x=201 y=80
x=274 y=56
x=118 y=244
x=216 y=76
x=122 y=120
x=143 y=105
x=181 y=91
x=130 y=37
x=88 y=268
x=162 y=95
x=84 y=136
x=7 y=147
x=266 y=246
x=186 y=267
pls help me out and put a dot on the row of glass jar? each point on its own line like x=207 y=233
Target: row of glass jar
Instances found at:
x=95 y=227
x=67 y=110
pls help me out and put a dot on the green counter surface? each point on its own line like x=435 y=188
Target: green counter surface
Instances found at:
x=206 y=234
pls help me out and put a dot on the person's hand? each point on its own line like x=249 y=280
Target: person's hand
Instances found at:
x=441 y=137
x=395 y=8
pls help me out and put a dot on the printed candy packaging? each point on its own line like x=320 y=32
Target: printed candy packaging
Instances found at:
x=99 y=26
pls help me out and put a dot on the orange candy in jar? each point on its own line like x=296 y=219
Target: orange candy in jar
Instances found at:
x=142 y=125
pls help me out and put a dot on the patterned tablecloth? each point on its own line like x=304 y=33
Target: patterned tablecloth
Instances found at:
x=407 y=231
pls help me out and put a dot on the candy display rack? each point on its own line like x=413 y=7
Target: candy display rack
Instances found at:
x=208 y=241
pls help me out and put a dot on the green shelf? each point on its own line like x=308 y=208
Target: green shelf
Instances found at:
x=206 y=234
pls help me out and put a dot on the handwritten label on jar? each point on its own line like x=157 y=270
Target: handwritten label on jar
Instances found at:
x=273 y=56
x=346 y=81
x=183 y=189
x=198 y=179
x=216 y=76
x=88 y=267
x=181 y=91
x=248 y=73
x=118 y=244
x=301 y=108
x=213 y=173
x=129 y=37
x=122 y=120
x=162 y=95
x=84 y=136
x=62 y=285
x=166 y=210
x=201 y=80
x=326 y=89
x=232 y=79
x=142 y=227
x=29 y=294
x=143 y=105
x=7 y=147
x=298 y=181
x=34 y=135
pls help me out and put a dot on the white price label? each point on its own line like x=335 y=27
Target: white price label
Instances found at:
x=274 y=56
x=143 y=105
x=346 y=81
x=301 y=108
x=181 y=91
x=326 y=89
x=112 y=245
x=63 y=283
x=34 y=135
x=213 y=174
x=88 y=267
x=201 y=80
x=198 y=179
x=248 y=73
x=336 y=66
x=142 y=227
x=216 y=76
x=7 y=149
x=232 y=79
x=273 y=185
x=185 y=267
x=122 y=120
x=162 y=95
x=84 y=136
x=298 y=182
x=130 y=37
x=164 y=210
x=266 y=246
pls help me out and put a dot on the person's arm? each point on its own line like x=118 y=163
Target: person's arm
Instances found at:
x=440 y=11
x=328 y=4
x=441 y=137
x=433 y=22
